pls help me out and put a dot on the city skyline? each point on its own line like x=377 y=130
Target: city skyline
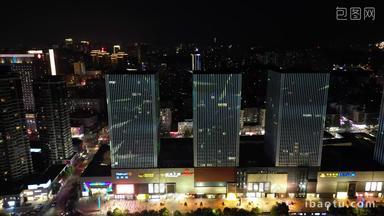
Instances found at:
x=294 y=23
x=192 y=108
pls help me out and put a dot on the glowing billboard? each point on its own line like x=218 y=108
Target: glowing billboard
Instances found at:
x=125 y=189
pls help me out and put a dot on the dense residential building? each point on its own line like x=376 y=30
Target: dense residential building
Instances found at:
x=133 y=116
x=15 y=161
x=295 y=118
x=52 y=117
x=216 y=119
x=27 y=67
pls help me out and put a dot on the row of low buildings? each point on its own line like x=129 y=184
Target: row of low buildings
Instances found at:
x=228 y=183
x=35 y=188
x=347 y=173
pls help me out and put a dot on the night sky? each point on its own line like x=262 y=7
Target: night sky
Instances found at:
x=268 y=23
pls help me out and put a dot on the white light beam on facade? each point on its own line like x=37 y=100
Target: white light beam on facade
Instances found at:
x=52 y=62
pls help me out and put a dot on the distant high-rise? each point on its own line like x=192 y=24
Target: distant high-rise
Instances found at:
x=378 y=154
x=133 y=115
x=15 y=160
x=79 y=68
x=196 y=61
x=68 y=43
x=116 y=48
x=27 y=67
x=295 y=118
x=216 y=119
x=53 y=122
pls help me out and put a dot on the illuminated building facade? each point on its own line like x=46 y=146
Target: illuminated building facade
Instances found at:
x=196 y=61
x=15 y=162
x=295 y=118
x=216 y=119
x=133 y=115
x=52 y=117
x=350 y=184
x=378 y=154
x=52 y=61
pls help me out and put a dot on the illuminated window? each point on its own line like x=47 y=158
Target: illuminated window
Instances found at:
x=267 y=186
x=150 y=188
x=156 y=188
x=249 y=186
x=259 y=186
x=373 y=186
x=379 y=186
x=162 y=188
x=255 y=187
x=368 y=186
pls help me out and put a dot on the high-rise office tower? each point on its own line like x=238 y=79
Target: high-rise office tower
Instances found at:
x=133 y=117
x=15 y=160
x=295 y=118
x=378 y=154
x=216 y=119
x=53 y=122
x=196 y=61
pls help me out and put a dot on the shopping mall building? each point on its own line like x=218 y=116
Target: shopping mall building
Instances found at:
x=233 y=182
x=338 y=177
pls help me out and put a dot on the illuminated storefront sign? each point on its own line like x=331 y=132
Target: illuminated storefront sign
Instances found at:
x=146 y=175
x=121 y=175
x=172 y=174
x=35 y=186
x=187 y=172
x=125 y=189
x=337 y=174
x=97 y=187
x=142 y=196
